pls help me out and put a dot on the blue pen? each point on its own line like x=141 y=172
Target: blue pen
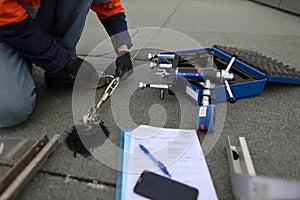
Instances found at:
x=157 y=162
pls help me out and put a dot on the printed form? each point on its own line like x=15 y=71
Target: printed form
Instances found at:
x=179 y=150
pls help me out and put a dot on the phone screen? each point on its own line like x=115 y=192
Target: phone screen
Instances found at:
x=157 y=187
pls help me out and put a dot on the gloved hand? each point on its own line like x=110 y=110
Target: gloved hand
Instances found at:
x=87 y=71
x=79 y=69
x=124 y=65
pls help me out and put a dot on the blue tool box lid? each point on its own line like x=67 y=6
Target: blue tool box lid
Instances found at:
x=273 y=70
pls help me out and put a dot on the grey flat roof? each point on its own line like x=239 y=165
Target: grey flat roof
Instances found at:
x=269 y=122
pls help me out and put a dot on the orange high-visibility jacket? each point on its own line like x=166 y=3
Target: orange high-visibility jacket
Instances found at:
x=12 y=11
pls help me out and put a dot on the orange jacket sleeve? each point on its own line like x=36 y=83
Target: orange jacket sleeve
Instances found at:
x=11 y=11
x=105 y=10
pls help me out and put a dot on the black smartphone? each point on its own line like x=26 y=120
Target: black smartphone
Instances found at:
x=158 y=187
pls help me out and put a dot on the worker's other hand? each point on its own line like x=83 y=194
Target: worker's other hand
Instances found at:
x=124 y=65
x=79 y=69
x=87 y=70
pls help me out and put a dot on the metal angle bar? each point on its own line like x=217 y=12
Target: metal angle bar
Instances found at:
x=25 y=159
x=30 y=169
x=247 y=164
x=241 y=168
x=247 y=186
x=239 y=158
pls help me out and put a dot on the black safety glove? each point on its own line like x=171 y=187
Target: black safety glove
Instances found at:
x=87 y=71
x=78 y=70
x=124 y=65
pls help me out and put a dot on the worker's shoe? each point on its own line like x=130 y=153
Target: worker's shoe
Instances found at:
x=87 y=77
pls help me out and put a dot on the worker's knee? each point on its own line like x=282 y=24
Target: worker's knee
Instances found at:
x=15 y=107
x=17 y=95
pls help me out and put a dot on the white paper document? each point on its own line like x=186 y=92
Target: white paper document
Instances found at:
x=179 y=150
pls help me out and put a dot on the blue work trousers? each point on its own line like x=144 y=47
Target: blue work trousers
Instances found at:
x=64 y=20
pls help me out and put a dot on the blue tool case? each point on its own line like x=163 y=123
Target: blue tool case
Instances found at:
x=251 y=71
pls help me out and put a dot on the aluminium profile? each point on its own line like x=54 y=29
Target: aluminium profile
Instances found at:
x=247 y=186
